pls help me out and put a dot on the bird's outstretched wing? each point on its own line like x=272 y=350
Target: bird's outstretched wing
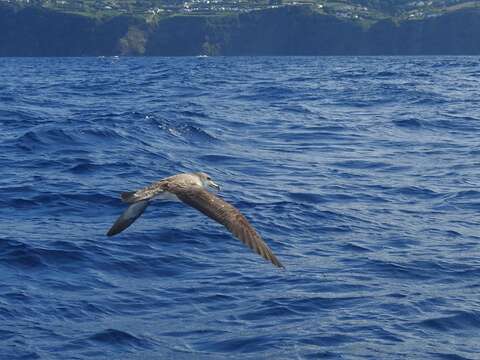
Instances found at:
x=227 y=215
x=128 y=217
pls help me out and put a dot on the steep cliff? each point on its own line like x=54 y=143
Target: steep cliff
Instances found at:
x=283 y=31
x=453 y=33
x=34 y=31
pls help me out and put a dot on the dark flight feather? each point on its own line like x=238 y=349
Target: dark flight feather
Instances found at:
x=227 y=215
x=128 y=217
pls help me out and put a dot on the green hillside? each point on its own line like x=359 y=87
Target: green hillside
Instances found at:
x=362 y=10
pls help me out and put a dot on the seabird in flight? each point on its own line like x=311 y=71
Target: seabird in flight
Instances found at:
x=191 y=189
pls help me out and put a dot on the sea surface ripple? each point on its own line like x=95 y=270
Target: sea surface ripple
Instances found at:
x=361 y=173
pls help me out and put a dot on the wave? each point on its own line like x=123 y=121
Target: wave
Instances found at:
x=114 y=337
x=461 y=320
x=17 y=253
x=360 y=173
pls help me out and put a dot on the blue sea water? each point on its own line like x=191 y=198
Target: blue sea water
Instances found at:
x=361 y=173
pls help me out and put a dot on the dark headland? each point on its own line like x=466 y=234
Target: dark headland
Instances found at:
x=277 y=30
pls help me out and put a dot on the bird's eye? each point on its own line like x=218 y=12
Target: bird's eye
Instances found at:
x=209 y=178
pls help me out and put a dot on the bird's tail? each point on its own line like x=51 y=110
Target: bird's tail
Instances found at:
x=129 y=197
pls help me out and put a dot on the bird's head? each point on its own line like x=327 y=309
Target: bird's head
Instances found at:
x=207 y=181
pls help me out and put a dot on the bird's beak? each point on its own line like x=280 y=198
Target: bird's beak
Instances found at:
x=214 y=185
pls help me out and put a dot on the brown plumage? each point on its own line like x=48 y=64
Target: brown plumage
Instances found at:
x=191 y=190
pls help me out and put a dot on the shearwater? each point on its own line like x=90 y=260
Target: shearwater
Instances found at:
x=191 y=189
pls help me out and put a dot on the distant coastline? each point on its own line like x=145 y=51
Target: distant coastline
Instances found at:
x=287 y=30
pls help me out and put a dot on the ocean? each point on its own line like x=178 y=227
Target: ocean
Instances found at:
x=361 y=173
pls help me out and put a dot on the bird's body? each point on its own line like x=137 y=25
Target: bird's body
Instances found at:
x=191 y=189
